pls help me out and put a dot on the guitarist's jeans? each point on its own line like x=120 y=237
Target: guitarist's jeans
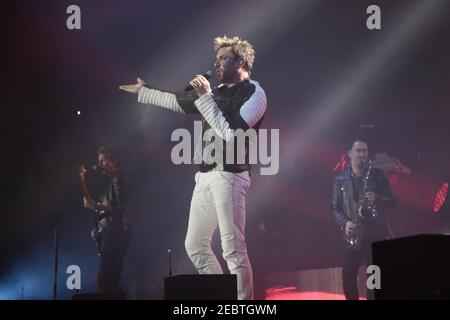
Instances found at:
x=113 y=248
x=219 y=201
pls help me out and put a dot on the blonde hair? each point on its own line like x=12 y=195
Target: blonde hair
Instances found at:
x=241 y=48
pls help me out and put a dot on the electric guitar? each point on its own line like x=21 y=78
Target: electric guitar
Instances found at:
x=96 y=232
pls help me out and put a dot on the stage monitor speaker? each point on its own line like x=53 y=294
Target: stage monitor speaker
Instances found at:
x=416 y=267
x=201 y=287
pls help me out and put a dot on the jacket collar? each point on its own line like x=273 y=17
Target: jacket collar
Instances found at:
x=348 y=171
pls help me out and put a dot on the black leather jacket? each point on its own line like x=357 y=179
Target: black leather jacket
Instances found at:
x=230 y=101
x=116 y=195
x=224 y=111
x=343 y=204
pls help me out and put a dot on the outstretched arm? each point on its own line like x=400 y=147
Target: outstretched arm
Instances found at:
x=177 y=102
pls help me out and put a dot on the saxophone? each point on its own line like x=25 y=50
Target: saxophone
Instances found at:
x=366 y=213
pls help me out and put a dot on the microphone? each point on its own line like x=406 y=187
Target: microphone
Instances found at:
x=208 y=75
x=94 y=167
x=91 y=168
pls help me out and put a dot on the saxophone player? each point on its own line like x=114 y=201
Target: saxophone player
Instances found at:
x=359 y=186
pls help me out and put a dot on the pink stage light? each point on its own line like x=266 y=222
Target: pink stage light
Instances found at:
x=292 y=293
x=440 y=198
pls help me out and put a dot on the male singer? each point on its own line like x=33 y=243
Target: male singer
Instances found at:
x=220 y=192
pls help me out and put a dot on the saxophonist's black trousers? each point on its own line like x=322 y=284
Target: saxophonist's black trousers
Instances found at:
x=352 y=259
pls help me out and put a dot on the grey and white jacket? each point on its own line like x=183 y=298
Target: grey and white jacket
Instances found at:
x=223 y=111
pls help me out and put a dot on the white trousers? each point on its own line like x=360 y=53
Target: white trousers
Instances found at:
x=219 y=201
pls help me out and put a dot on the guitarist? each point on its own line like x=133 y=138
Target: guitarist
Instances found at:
x=347 y=192
x=112 y=231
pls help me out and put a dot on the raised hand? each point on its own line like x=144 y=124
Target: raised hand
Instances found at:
x=82 y=173
x=201 y=85
x=133 y=88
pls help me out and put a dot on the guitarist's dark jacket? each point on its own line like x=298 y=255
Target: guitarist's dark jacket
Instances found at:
x=116 y=195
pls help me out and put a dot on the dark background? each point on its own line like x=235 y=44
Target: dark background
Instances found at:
x=325 y=74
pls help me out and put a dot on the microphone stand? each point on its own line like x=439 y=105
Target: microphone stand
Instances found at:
x=170 y=261
x=55 y=253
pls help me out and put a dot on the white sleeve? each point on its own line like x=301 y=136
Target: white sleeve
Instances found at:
x=254 y=108
x=158 y=98
x=251 y=112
